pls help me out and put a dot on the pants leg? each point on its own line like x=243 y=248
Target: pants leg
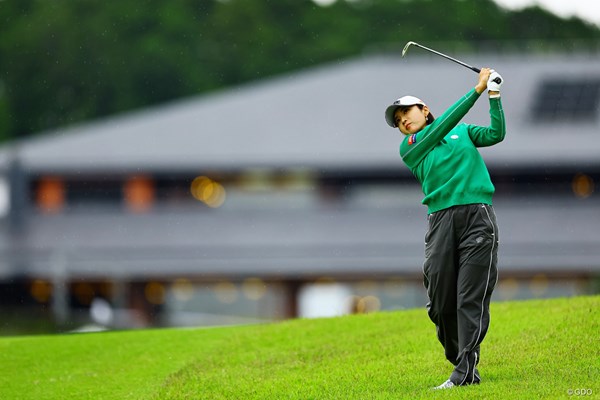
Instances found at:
x=461 y=254
x=477 y=276
x=439 y=277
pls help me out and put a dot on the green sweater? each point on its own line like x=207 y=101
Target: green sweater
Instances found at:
x=444 y=158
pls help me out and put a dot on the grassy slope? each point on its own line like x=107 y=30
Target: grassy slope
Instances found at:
x=535 y=349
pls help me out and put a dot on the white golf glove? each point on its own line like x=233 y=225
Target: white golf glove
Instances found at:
x=494 y=82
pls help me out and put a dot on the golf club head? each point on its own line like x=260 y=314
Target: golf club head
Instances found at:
x=406 y=48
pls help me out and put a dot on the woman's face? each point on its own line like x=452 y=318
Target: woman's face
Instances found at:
x=411 y=119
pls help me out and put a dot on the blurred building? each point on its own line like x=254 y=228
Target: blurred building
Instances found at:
x=246 y=204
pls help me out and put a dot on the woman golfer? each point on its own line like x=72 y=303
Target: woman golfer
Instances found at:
x=461 y=245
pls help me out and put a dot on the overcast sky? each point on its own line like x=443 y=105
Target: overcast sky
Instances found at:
x=588 y=10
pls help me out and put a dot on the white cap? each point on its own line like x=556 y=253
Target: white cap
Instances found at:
x=401 y=102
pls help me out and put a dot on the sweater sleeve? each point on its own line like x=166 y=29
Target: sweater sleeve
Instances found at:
x=490 y=135
x=415 y=147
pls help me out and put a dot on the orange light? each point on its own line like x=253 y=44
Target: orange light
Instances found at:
x=50 y=196
x=208 y=191
x=41 y=291
x=155 y=293
x=139 y=193
x=198 y=187
x=583 y=186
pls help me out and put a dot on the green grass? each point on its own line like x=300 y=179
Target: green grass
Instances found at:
x=534 y=350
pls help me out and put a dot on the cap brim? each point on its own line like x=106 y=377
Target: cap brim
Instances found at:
x=389 y=115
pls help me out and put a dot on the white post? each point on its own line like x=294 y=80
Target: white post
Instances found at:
x=60 y=292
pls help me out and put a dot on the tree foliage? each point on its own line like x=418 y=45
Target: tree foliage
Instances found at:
x=65 y=61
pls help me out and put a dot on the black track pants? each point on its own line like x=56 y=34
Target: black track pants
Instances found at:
x=461 y=254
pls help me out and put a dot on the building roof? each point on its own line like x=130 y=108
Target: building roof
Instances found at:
x=328 y=117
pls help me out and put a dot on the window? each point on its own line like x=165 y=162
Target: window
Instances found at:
x=567 y=100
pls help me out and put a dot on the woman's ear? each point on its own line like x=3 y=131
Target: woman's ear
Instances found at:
x=425 y=111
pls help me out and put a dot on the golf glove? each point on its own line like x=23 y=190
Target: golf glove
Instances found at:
x=494 y=82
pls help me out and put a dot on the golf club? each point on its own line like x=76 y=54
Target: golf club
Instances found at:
x=497 y=80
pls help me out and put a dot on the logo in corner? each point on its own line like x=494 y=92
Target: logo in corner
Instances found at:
x=412 y=139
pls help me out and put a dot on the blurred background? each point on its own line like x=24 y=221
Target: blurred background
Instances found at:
x=215 y=162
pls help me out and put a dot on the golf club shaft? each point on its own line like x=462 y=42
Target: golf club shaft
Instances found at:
x=448 y=57
x=498 y=80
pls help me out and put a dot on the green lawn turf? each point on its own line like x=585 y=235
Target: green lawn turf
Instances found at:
x=534 y=349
